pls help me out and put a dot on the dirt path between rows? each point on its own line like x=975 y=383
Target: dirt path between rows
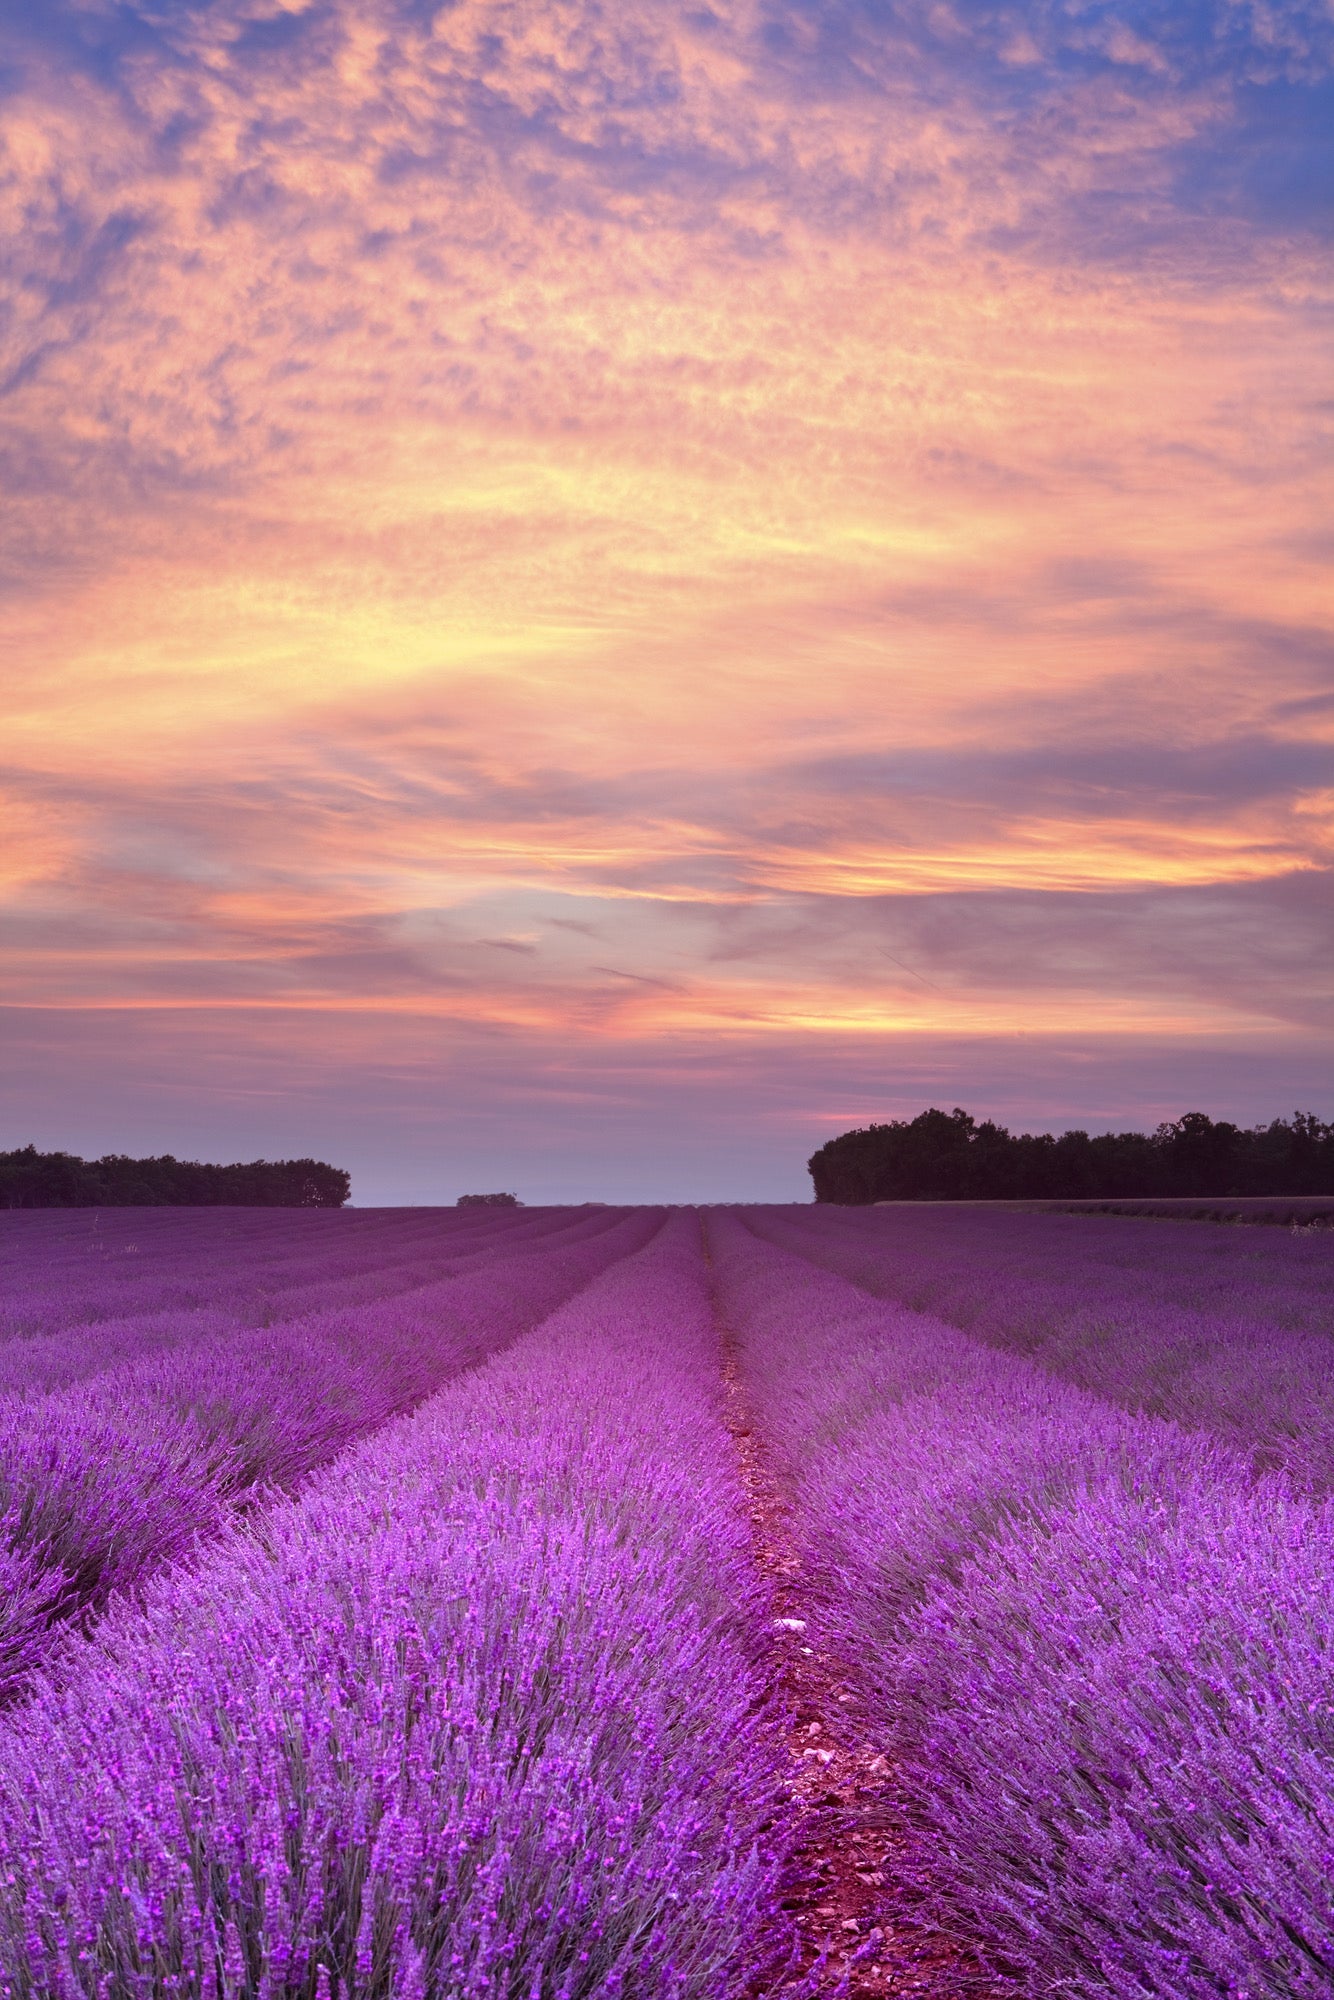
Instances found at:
x=845 y=1849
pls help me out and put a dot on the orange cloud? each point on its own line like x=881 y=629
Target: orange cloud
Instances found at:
x=472 y=469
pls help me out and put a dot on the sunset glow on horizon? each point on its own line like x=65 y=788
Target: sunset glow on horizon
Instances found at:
x=591 y=592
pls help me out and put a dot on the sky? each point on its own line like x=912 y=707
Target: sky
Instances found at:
x=594 y=594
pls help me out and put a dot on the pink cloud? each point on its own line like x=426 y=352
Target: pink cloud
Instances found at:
x=569 y=522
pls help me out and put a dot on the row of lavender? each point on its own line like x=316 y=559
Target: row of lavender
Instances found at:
x=60 y=1335
x=1097 y=1650
x=254 y=1265
x=477 y=1714
x=168 y=1421
x=1223 y=1330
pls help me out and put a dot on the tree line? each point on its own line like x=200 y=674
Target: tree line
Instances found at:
x=950 y=1156
x=29 y=1179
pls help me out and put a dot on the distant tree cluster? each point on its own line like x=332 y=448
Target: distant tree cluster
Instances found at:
x=29 y=1179
x=949 y=1156
x=488 y=1201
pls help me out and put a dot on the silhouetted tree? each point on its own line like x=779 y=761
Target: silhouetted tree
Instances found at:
x=29 y=1179
x=949 y=1156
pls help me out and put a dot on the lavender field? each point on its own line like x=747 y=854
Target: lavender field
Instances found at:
x=539 y=1604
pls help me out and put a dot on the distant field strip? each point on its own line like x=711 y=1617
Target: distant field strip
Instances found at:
x=181 y=1263
x=476 y=1715
x=221 y=1298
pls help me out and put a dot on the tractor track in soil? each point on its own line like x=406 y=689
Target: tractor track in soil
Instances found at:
x=839 y=1787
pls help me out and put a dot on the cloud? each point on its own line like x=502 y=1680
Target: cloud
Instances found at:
x=756 y=521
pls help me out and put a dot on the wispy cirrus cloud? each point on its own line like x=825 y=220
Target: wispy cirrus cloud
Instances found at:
x=755 y=521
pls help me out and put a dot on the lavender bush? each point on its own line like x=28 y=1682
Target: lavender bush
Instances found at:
x=247 y=1265
x=476 y=1715
x=1225 y=1330
x=379 y=1594
x=105 y=1481
x=232 y=1292
x=1096 y=1650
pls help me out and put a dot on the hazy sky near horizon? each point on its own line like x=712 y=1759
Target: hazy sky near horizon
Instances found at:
x=594 y=593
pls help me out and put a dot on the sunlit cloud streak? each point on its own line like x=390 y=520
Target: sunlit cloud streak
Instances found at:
x=623 y=524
